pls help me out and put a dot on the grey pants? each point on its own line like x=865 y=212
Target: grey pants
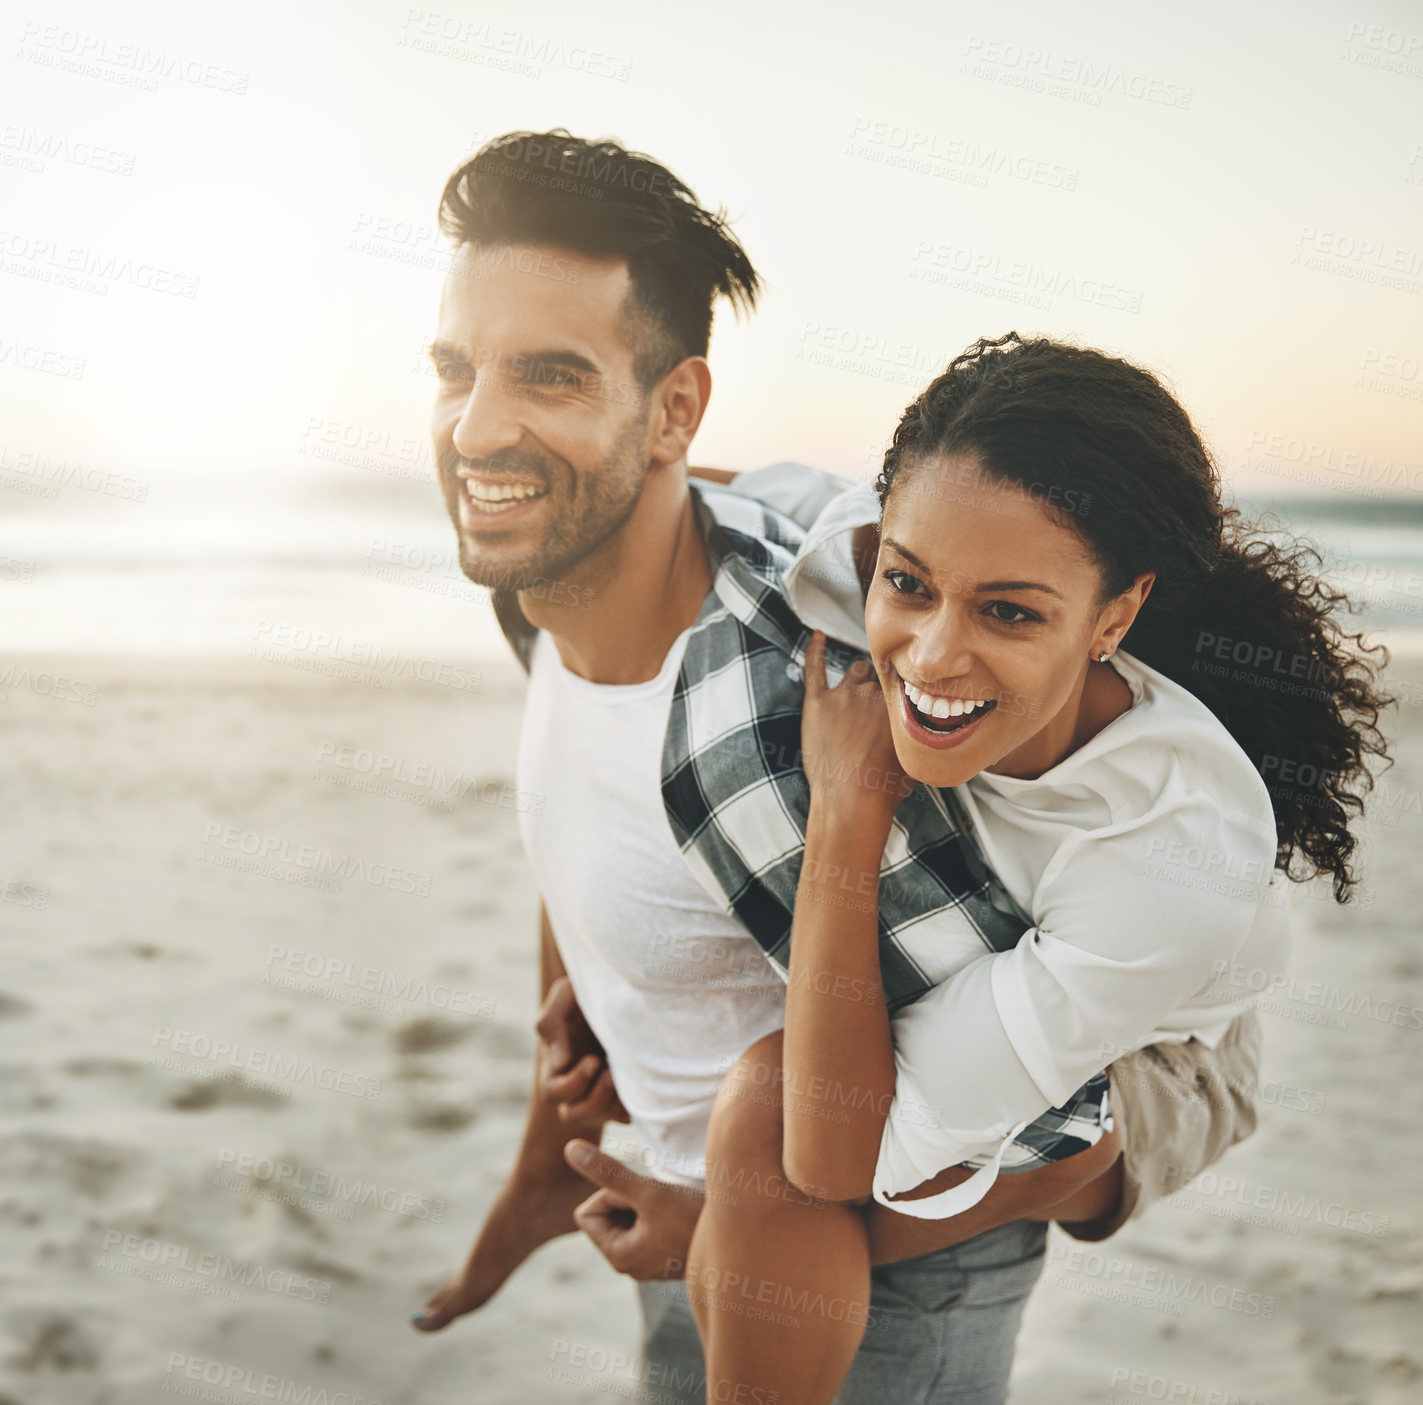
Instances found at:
x=941 y=1328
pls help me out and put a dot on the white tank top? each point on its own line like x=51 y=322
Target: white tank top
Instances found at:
x=672 y=984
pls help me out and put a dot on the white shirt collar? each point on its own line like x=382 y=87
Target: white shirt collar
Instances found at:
x=822 y=582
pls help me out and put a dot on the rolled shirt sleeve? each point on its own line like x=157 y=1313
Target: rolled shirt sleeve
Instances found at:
x=1121 y=940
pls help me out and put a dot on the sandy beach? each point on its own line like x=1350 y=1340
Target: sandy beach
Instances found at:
x=266 y=1013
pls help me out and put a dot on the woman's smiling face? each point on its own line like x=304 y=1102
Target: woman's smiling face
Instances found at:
x=983 y=596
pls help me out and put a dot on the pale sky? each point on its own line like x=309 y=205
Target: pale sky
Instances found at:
x=1234 y=182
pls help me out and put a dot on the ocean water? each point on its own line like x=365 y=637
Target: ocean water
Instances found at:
x=168 y=569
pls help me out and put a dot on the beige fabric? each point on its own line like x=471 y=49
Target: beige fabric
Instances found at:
x=1179 y=1108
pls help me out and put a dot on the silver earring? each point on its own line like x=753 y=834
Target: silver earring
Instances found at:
x=1103 y=657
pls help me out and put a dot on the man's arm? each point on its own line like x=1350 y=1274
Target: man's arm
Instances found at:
x=542 y=1191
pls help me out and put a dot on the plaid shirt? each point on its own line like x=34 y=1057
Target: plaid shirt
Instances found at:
x=738 y=801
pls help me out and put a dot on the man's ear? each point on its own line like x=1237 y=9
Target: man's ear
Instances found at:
x=679 y=402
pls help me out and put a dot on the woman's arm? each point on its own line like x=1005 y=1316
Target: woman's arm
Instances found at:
x=1115 y=952
x=838 y=1057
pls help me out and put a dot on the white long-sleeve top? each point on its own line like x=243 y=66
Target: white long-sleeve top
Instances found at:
x=1145 y=863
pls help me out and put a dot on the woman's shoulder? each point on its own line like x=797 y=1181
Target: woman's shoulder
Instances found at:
x=1166 y=754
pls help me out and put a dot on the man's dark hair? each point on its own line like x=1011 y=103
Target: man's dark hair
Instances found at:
x=598 y=198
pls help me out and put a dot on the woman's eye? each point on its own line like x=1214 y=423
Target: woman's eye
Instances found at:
x=1006 y=612
x=901 y=582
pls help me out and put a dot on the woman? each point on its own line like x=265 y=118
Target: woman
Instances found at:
x=1040 y=504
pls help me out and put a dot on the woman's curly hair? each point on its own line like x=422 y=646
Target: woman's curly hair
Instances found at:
x=1240 y=619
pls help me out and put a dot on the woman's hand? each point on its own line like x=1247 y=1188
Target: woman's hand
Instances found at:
x=573 y=1071
x=846 y=746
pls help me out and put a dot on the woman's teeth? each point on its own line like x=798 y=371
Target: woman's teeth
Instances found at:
x=942 y=709
x=500 y=497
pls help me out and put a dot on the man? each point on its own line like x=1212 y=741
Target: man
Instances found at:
x=663 y=730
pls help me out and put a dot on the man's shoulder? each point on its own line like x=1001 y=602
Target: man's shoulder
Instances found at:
x=751 y=543
x=759 y=531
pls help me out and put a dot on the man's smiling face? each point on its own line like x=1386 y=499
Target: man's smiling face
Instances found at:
x=539 y=425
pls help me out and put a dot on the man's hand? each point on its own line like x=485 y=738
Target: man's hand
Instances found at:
x=641 y=1226
x=573 y=1071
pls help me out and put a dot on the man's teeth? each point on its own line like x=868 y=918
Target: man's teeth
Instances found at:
x=942 y=707
x=499 y=497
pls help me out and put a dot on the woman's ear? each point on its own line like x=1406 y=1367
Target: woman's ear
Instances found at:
x=1119 y=614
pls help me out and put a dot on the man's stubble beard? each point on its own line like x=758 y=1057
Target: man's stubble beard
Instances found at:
x=605 y=498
